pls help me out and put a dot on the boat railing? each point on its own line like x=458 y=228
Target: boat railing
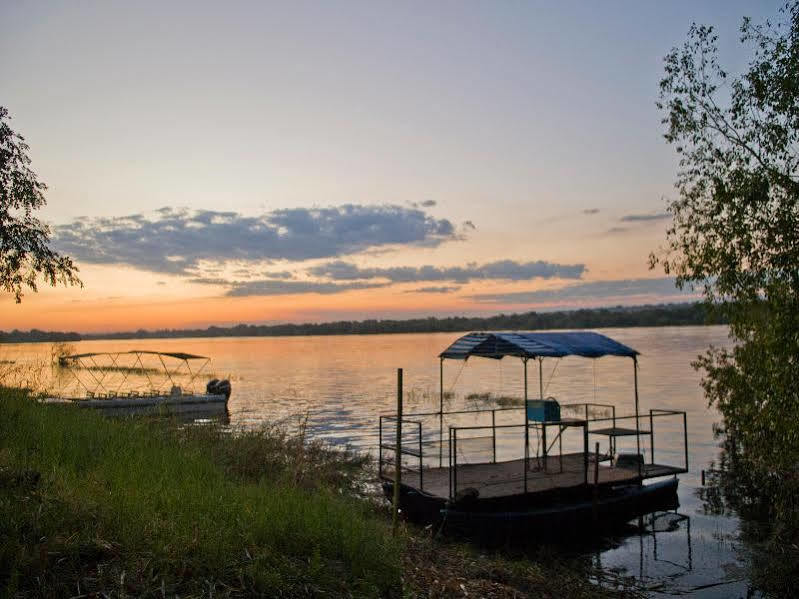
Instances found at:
x=478 y=444
x=460 y=436
x=410 y=447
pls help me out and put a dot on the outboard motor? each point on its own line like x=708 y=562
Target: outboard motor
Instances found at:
x=217 y=387
x=224 y=388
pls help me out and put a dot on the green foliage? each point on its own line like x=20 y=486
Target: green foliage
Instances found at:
x=24 y=253
x=736 y=231
x=91 y=505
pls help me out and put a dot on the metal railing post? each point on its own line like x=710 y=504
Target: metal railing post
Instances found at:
x=455 y=462
x=449 y=457
x=651 y=436
x=685 y=437
x=526 y=427
x=494 y=435
x=380 y=449
x=421 y=462
x=585 y=452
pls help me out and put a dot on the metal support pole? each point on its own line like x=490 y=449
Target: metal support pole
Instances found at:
x=544 y=442
x=526 y=427
x=398 y=454
x=441 y=413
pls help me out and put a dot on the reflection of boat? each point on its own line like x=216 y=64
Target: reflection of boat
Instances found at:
x=460 y=478
x=107 y=381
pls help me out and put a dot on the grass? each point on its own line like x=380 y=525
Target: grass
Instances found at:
x=96 y=506
x=90 y=505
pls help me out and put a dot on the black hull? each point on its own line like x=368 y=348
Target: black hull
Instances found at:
x=539 y=516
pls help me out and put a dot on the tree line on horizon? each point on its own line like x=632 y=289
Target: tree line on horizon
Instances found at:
x=649 y=315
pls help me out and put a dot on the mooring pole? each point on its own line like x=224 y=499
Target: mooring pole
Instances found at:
x=398 y=454
x=440 y=413
x=638 y=457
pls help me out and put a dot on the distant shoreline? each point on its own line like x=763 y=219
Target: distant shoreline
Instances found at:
x=684 y=314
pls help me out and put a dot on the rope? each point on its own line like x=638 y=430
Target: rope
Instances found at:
x=452 y=386
x=552 y=375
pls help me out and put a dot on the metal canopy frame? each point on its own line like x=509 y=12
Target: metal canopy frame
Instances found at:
x=527 y=354
x=82 y=360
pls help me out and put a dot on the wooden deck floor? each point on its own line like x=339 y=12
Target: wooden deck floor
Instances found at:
x=507 y=478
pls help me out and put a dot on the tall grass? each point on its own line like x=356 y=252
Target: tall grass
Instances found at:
x=89 y=504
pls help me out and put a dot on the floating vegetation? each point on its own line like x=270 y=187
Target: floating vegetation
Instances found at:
x=505 y=401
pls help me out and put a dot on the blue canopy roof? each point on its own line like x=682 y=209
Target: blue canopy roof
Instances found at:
x=536 y=345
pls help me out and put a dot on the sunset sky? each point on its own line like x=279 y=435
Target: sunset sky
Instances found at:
x=218 y=163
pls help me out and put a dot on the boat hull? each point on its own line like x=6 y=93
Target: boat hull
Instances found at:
x=537 y=517
x=175 y=404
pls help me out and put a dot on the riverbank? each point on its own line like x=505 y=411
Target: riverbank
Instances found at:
x=142 y=507
x=687 y=314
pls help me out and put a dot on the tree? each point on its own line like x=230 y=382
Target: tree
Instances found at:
x=735 y=232
x=25 y=256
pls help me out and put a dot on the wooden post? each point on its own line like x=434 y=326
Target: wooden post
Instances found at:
x=398 y=454
x=638 y=457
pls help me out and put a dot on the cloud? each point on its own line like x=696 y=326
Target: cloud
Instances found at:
x=268 y=287
x=594 y=290
x=614 y=230
x=444 y=289
x=467 y=224
x=591 y=211
x=177 y=241
x=505 y=270
x=636 y=218
x=427 y=203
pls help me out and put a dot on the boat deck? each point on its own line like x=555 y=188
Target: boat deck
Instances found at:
x=503 y=479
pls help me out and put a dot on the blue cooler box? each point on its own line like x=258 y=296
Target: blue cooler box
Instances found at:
x=541 y=410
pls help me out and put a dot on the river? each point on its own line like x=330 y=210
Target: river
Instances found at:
x=342 y=383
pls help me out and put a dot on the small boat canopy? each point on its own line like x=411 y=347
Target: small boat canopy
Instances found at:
x=178 y=355
x=536 y=345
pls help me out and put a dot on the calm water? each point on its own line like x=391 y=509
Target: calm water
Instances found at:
x=343 y=383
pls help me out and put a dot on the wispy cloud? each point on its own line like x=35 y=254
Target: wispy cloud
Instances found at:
x=269 y=287
x=177 y=241
x=594 y=290
x=637 y=218
x=444 y=289
x=591 y=211
x=505 y=270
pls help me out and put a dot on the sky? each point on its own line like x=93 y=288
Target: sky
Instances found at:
x=256 y=162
